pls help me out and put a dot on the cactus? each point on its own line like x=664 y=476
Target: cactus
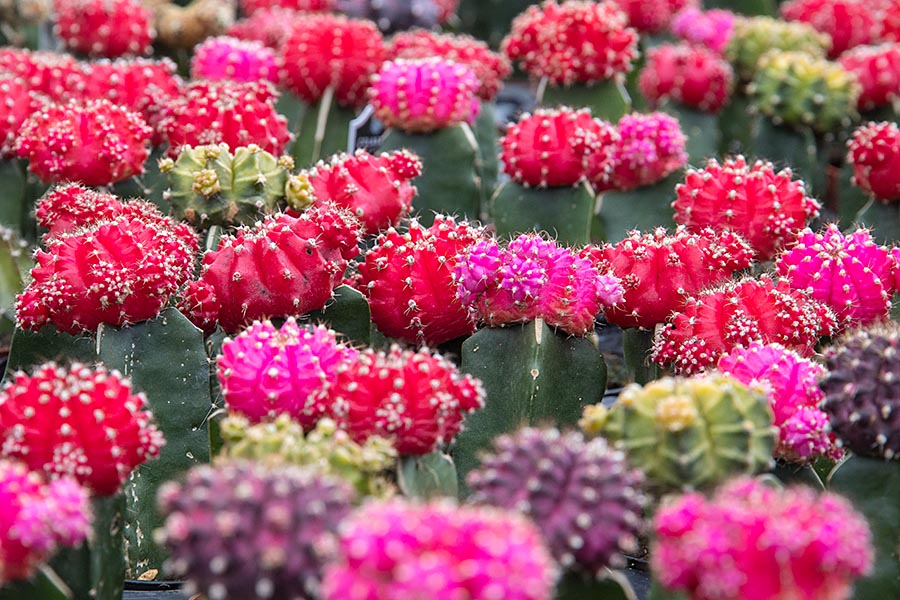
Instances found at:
x=223 y=57
x=711 y=29
x=872 y=152
x=848 y=23
x=269 y=25
x=877 y=70
x=110 y=28
x=652 y=17
x=688 y=434
x=19 y=105
x=394 y=15
x=251 y=7
x=754 y=36
x=212 y=186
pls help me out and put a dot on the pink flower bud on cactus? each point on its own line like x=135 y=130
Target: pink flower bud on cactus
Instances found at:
x=95 y=142
x=229 y=58
x=877 y=69
x=792 y=386
x=557 y=147
x=711 y=28
x=716 y=321
x=422 y=95
x=110 y=28
x=849 y=23
x=236 y=113
x=332 y=51
x=77 y=421
x=266 y=371
x=650 y=148
x=489 y=67
x=251 y=7
x=573 y=42
x=874 y=152
x=853 y=275
x=766 y=208
x=408 y=279
x=439 y=551
x=269 y=26
x=284 y=266
x=47 y=73
x=377 y=189
x=652 y=16
x=659 y=271
x=751 y=540
x=416 y=399
x=689 y=75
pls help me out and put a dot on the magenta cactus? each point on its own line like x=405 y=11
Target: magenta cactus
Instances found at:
x=711 y=28
x=226 y=57
x=650 y=148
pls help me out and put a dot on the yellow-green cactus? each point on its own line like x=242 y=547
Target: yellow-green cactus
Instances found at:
x=754 y=36
x=688 y=434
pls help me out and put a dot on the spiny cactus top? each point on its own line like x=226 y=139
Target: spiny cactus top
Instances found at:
x=266 y=371
x=83 y=422
x=18 y=104
x=557 y=147
x=652 y=16
x=752 y=540
x=862 y=390
x=408 y=279
x=70 y=206
x=416 y=399
x=394 y=15
x=792 y=386
x=490 y=67
x=94 y=142
x=889 y=13
x=767 y=208
x=849 y=23
x=378 y=189
x=650 y=148
x=36 y=518
x=572 y=42
x=327 y=51
x=581 y=494
x=281 y=267
x=737 y=314
x=110 y=28
x=688 y=434
x=877 y=70
x=795 y=89
x=225 y=57
x=874 y=152
x=241 y=530
x=689 y=75
x=711 y=28
x=420 y=95
x=534 y=278
x=251 y=7
x=439 y=551
x=754 y=36
x=851 y=274
x=48 y=73
x=659 y=271
x=236 y=113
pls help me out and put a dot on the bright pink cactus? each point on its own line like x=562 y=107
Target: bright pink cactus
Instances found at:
x=716 y=321
x=752 y=540
x=56 y=76
x=223 y=57
x=266 y=371
x=18 y=104
x=689 y=75
x=851 y=274
x=653 y=16
x=650 y=148
x=109 y=28
x=439 y=551
x=251 y=7
x=792 y=386
x=877 y=69
x=711 y=28
x=874 y=152
x=849 y=23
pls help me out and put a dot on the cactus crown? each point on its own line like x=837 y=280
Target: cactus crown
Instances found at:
x=874 y=151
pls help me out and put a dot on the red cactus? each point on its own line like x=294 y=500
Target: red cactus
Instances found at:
x=18 y=104
x=652 y=16
x=82 y=422
x=94 y=142
x=70 y=206
x=332 y=51
x=877 y=69
x=874 y=152
x=251 y=7
x=110 y=28
x=690 y=75
x=270 y=26
x=889 y=13
x=56 y=76
x=849 y=23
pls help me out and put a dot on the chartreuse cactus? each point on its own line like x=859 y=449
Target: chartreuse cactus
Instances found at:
x=688 y=434
x=755 y=36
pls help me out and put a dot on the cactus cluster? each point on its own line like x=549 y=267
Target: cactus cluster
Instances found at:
x=873 y=152
x=109 y=28
x=754 y=36
x=689 y=75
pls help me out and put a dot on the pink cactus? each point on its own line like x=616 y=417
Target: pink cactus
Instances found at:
x=251 y=7
x=650 y=148
x=18 y=104
x=853 y=275
x=711 y=28
x=849 y=23
x=109 y=28
x=792 y=386
x=50 y=74
x=689 y=75
x=270 y=26
x=751 y=540
x=653 y=16
x=874 y=152
x=877 y=69
x=229 y=58
x=439 y=551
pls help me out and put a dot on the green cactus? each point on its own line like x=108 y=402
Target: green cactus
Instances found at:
x=565 y=213
x=211 y=186
x=14 y=260
x=644 y=208
x=688 y=434
x=322 y=131
x=754 y=36
x=608 y=100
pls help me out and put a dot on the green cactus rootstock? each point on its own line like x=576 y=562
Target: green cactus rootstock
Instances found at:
x=608 y=100
x=322 y=131
x=565 y=212
x=644 y=209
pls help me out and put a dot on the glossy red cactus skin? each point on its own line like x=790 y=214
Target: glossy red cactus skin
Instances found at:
x=690 y=75
x=660 y=270
x=56 y=76
x=332 y=51
x=270 y=26
x=874 y=152
x=109 y=28
x=251 y=7
x=715 y=321
x=849 y=23
x=17 y=105
x=767 y=208
x=77 y=421
x=877 y=69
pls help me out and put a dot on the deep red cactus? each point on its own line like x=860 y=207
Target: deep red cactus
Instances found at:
x=270 y=26
x=874 y=152
x=377 y=189
x=332 y=51
x=650 y=148
x=557 y=147
x=251 y=7
x=490 y=67
x=77 y=421
x=849 y=23
x=94 y=142
x=18 y=104
x=70 y=206
x=767 y=208
x=416 y=399
x=690 y=75
x=714 y=322
x=877 y=69
x=282 y=267
x=659 y=271
x=652 y=16
x=56 y=76
x=224 y=57
x=408 y=279
x=109 y=28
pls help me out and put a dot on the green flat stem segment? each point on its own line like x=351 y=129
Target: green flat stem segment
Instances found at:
x=883 y=219
x=746 y=7
x=16 y=203
x=701 y=129
x=564 y=213
x=608 y=100
x=485 y=129
x=348 y=314
x=322 y=132
x=637 y=344
x=786 y=147
x=643 y=209
x=45 y=584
